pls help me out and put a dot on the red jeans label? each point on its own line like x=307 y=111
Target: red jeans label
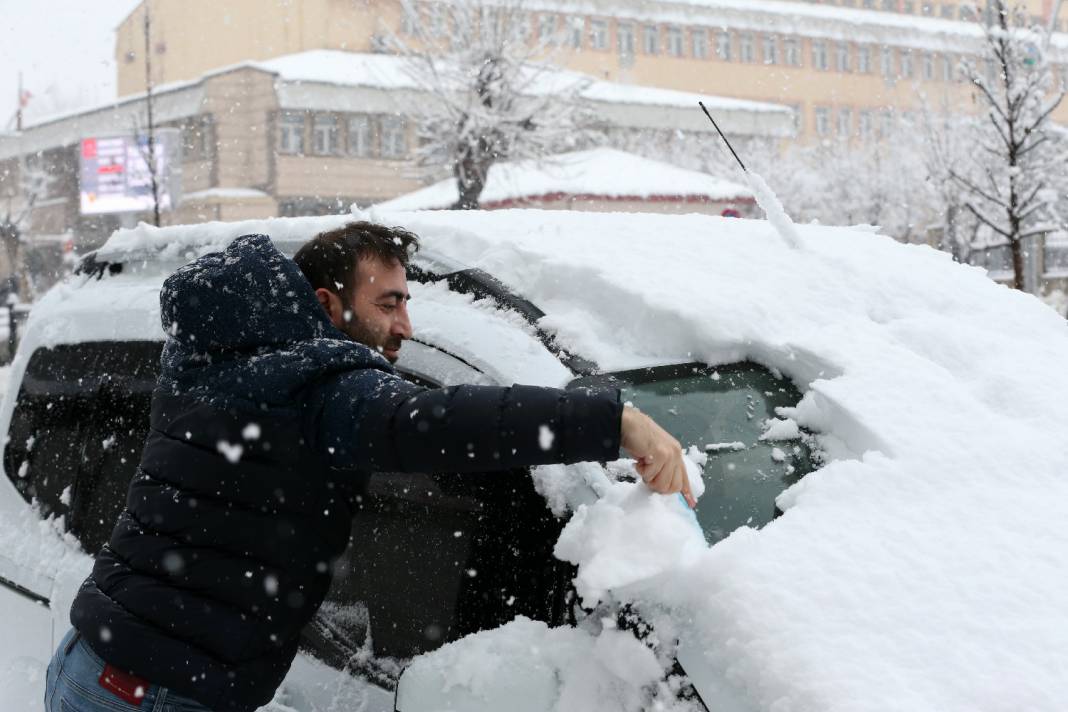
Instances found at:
x=123 y=685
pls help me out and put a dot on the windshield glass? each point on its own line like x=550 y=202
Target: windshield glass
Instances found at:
x=724 y=412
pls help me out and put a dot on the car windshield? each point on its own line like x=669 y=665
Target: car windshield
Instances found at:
x=724 y=413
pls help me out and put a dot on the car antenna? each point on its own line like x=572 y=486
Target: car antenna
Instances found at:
x=765 y=197
x=720 y=132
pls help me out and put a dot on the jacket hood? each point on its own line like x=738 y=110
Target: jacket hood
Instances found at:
x=245 y=323
x=244 y=298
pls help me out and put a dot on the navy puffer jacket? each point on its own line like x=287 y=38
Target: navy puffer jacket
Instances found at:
x=265 y=424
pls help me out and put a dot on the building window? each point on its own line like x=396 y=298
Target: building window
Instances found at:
x=907 y=70
x=886 y=124
x=746 y=48
x=291 y=133
x=598 y=34
x=845 y=123
x=394 y=137
x=841 y=58
x=198 y=142
x=699 y=43
x=947 y=68
x=791 y=51
x=723 y=46
x=819 y=55
x=927 y=64
x=886 y=62
x=651 y=39
x=575 y=28
x=522 y=27
x=436 y=21
x=324 y=134
x=865 y=124
x=625 y=41
x=864 y=59
x=360 y=136
x=822 y=118
x=547 y=29
x=674 y=41
x=771 y=49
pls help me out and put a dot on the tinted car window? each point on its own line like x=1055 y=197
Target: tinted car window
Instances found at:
x=723 y=412
x=79 y=422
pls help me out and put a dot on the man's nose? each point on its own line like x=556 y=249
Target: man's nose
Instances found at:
x=402 y=325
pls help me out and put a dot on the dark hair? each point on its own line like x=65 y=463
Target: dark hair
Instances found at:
x=329 y=260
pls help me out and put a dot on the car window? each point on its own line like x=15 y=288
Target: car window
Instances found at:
x=723 y=411
x=77 y=430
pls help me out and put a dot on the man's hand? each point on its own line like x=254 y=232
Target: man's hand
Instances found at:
x=658 y=455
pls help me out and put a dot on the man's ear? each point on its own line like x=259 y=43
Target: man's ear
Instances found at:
x=331 y=303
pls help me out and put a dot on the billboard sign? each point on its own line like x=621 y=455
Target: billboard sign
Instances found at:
x=115 y=176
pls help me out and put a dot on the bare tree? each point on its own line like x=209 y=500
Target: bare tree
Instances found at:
x=1020 y=161
x=32 y=185
x=947 y=149
x=493 y=93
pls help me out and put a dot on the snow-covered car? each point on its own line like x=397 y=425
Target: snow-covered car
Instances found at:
x=909 y=569
x=438 y=556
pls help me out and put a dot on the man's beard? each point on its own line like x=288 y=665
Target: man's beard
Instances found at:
x=356 y=331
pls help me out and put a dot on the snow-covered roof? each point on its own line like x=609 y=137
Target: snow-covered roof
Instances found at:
x=806 y=19
x=923 y=565
x=597 y=173
x=225 y=194
x=385 y=71
x=298 y=74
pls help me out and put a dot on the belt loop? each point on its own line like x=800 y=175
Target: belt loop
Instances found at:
x=71 y=642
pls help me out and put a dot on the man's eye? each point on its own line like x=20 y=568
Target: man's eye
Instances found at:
x=388 y=307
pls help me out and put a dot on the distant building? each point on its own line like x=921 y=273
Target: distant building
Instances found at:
x=847 y=68
x=305 y=134
x=599 y=180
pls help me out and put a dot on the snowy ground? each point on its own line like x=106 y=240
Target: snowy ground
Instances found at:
x=923 y=568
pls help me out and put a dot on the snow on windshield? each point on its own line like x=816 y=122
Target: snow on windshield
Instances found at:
x=924 y=566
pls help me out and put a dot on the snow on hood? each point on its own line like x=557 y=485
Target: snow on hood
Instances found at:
x=925 y=566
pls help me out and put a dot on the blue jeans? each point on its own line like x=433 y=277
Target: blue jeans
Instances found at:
x=73 y=685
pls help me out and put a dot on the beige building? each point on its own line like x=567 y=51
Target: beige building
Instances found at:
x=845 y=66
x=307 y=133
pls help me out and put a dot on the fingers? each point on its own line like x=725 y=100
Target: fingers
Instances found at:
x=666 y=475
x=658 y=456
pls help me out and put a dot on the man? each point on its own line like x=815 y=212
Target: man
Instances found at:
x=275 y=400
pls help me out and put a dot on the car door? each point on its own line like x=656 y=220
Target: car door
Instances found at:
x=434 y=557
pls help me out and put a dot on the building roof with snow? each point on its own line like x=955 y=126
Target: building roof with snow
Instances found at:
x=334 y=80
x=602 y=174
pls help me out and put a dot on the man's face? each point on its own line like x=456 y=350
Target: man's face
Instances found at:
x=377 y=313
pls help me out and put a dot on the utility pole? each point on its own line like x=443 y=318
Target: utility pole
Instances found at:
x=18 y=111
x=150 y=159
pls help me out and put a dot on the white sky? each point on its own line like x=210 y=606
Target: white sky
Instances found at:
x=65 y=50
